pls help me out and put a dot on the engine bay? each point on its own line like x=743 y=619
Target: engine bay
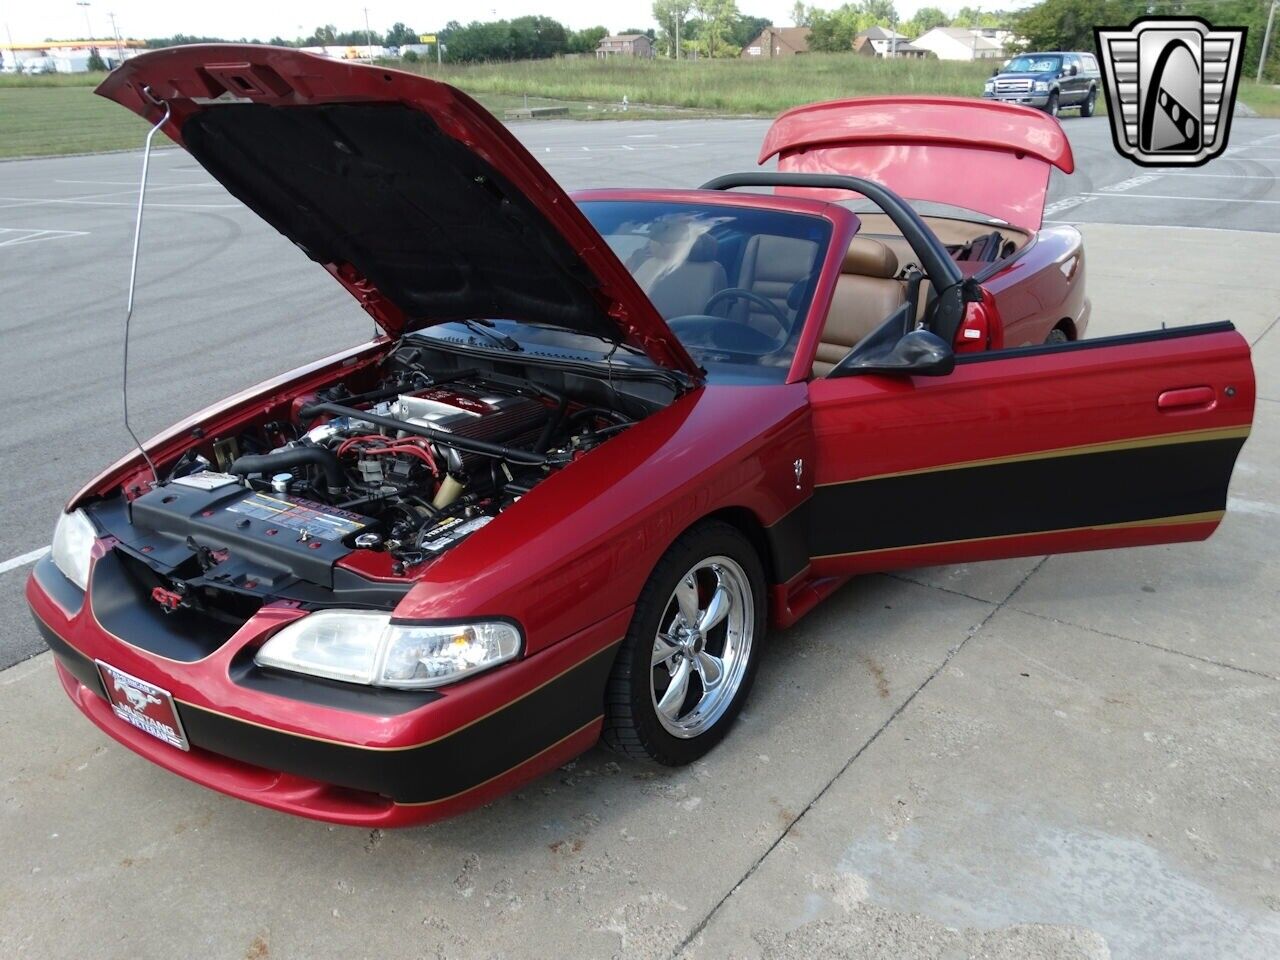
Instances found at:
x=343 y=493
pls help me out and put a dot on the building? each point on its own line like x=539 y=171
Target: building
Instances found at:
x=777 y=42
x=883 y=42
x=960 y=43
x=625 y=45
x=66 y=56
x=349 y=51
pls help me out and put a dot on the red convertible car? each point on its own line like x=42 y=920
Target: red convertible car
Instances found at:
x=603 y=445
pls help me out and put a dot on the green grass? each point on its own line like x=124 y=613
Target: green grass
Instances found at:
x=58 y=113
x=722 y=86
x=1263 y=97
x=63 y=118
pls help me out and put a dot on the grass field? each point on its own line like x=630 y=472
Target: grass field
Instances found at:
x=724 y=86
x=58 y=114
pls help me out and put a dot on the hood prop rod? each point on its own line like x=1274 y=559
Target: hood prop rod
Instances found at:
x=133 y=281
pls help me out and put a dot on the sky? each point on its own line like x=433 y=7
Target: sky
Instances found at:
x=65 y=19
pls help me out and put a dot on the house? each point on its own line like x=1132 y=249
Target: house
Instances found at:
x=777 y=42
x=625 y=45
x=960 y=43
x=883 y=42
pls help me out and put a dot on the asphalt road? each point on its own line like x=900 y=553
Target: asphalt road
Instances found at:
x=1064 y=757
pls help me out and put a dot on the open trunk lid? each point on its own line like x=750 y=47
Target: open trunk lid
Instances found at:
x=406 y=190
x=981 y=155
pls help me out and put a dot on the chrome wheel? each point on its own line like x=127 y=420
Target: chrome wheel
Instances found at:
x=703 y=646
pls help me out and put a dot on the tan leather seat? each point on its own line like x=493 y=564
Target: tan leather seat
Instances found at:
x=771 y=267
x=866 y=293
x=684 y=277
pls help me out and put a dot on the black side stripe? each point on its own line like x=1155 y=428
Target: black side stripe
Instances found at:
x=1079 y=489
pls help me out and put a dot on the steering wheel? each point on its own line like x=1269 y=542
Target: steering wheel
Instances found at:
x=742 y=293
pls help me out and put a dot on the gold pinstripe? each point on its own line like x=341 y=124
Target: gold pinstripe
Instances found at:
x=1134 y=443
x=569 y=736
x=358 y=746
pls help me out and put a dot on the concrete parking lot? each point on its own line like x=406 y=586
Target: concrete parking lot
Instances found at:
x=1072 y=756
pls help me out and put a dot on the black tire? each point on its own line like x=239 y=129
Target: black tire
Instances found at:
x=631 y=723
x=1090 y=103
x=1051 y=107
x=1057 y=335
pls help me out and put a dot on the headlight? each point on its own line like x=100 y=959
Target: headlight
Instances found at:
x=988 y=86
x=361 y=647
x=1042 y=86
x=72 y=541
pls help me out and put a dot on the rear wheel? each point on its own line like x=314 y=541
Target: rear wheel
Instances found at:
x=1057 y=335
x=690 y=654
x=1051 y=108
x=1090 y=104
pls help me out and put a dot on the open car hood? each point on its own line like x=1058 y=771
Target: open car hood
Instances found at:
x=409 y=192
x=977 y=154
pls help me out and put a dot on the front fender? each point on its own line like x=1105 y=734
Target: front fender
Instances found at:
x=581 y=544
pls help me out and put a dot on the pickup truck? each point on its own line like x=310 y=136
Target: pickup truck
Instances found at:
x=1052 y=81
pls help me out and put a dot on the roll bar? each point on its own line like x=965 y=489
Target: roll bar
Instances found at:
x=952 y=289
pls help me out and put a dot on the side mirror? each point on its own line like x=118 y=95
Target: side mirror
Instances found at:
x=888 y=349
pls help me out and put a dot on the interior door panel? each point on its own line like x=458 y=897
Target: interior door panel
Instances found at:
x=1111 y=442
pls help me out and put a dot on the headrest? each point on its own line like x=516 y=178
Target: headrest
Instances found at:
x=781 y=259
x=703 y=249
x=679 y=238
x=870 y=258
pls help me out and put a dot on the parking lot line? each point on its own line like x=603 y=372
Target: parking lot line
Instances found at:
x=35 y=236
x=1161 y=196
x=40 y=201
x=21 y=561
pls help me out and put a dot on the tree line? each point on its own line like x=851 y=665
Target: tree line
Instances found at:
x=717 y=28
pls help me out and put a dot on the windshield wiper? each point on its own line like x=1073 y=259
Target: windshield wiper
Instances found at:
x=482 y=327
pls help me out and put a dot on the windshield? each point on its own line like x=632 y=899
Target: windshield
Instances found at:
x=733 y=283
x=1033 y=64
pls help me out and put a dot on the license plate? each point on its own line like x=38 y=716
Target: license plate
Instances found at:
x=143 y=705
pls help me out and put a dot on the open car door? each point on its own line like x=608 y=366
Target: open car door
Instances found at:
x=1115 y=442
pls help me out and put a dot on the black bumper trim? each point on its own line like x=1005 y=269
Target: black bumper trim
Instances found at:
x=429 y=772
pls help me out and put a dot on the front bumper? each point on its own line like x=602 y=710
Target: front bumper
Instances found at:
x=459 y=748
x=1026 y=99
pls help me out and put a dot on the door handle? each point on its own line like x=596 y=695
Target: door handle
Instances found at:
x=1186 y=399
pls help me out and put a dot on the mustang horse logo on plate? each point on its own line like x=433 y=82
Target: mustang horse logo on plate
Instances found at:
x=1171 y=87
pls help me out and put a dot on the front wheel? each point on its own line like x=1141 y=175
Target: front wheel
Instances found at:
x=1051 y=108
x=1090 y=104
x=690 y=654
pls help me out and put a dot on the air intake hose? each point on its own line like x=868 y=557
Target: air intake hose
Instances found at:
x=268 y=463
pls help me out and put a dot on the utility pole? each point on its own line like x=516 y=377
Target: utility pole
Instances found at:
x=368 y=36
x=87 y=26
x=17 y=67
x=1266 y=39
x=119 y=45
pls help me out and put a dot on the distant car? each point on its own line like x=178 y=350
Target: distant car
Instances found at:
x=603 y=444
x=1052 y=81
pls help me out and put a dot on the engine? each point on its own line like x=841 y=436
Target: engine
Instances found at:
x=411 y=468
